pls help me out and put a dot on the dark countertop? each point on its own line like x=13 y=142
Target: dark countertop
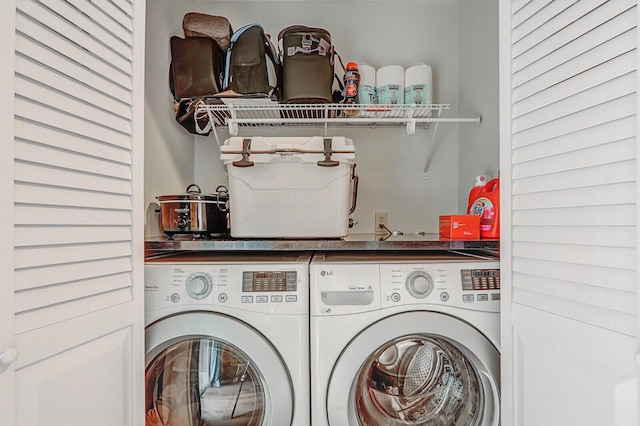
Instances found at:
x=354 y=242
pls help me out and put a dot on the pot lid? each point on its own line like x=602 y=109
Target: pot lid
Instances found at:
x=194 y=193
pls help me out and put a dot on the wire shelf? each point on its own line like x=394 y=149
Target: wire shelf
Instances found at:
x=235 y=114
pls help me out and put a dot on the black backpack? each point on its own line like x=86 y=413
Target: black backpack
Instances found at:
x=247 y=70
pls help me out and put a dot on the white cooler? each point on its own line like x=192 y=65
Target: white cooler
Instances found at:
x=290 y=187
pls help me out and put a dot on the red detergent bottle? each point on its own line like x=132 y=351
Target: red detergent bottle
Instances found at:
x=487 y=206
x=481 y=181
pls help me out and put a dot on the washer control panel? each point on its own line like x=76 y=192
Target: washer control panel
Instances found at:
x=480 y=279
x=472 y=284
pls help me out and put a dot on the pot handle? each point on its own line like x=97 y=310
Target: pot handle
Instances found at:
x=196 y=191
x=221 y=189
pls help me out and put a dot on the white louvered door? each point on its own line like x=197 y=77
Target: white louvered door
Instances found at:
x=569 y=180
x=74 y=257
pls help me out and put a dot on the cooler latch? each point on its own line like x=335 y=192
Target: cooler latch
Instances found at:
x=244 y=162
x=327 y=162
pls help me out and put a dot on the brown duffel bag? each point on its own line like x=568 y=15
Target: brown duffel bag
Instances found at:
x=195 y=74
x=196 y=24
x=197 y=66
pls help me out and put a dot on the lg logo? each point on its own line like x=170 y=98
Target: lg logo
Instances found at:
x=326 y=273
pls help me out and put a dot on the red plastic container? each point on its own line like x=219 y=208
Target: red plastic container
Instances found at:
x=460 y=226
x=487 y=206
x=481 y=181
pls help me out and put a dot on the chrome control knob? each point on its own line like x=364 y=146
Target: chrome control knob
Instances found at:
x=199 y=285
x=419 y=284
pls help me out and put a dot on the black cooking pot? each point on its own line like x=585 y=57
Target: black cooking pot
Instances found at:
x=194 y=212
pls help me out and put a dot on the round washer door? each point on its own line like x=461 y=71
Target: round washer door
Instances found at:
x=416 y=368
x=205 y=369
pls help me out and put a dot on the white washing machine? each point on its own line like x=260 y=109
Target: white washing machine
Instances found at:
x=405 y=339
x=227 y=339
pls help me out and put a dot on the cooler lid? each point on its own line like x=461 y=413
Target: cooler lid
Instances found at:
x=305 y=149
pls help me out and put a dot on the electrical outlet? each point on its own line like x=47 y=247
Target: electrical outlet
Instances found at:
x=381 y=222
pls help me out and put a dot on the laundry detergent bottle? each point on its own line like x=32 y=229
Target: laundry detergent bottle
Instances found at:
x=481 y=181
x=487 y=206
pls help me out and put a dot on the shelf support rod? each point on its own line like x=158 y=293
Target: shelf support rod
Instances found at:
x=433 y=138
x=430 y=149
x=213 y=125
x=326 y=123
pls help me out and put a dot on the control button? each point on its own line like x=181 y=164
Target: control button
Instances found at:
x=291 y=298
x=175 y=297
x=395 y=297
x=495 y=296
x=467 y=297
x=246 y=299
x=276 y=299
x=444 y=296
x=262 y=299
x=222 y=297
x=483 y=297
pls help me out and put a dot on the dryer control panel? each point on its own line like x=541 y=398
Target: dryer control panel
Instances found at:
x=265 y=287
x=266 y=281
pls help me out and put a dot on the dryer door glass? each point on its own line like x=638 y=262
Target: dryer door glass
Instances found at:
x=418 y=380
x=198 y=382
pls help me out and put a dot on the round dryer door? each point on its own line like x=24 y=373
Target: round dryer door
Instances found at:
x=207 y=369
x=416 y=368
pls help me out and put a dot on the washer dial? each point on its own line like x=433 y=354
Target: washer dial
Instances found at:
x=419 y=284
x=199 y=285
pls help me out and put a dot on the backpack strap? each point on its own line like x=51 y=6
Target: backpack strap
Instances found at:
x=272 y=53
x=338 y=95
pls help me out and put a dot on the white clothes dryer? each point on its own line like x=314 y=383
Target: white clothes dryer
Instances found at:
x=227 y=339
x=405 y=339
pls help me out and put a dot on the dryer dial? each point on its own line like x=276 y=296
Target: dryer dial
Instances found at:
x=419 y=284
x=199 y=285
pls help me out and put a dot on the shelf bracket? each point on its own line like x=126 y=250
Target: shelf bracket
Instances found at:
x=411 y=123
x=433 y=138
x=430 y=148
x=233 y=121
x=213 y=126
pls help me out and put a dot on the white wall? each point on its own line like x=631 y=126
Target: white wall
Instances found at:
x=478 y=92
x=168 y=148
x=389 y=162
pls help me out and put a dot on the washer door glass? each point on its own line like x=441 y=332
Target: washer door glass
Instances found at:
x=202 y=381
x=418 y=380
x=227 y=371
x=416 y=368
